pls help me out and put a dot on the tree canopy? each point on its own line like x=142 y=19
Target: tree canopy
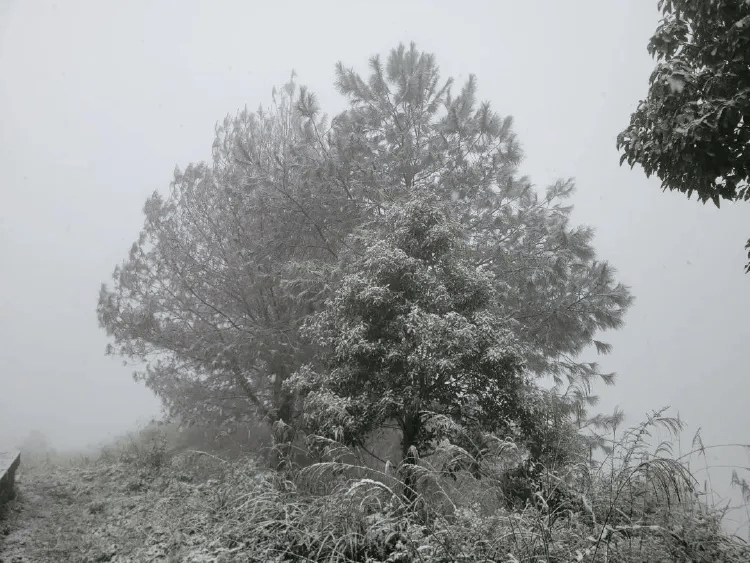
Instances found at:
x=413 y=334
x=405 y=130
x=693 y=129
x=200 y=297
x=240 y=253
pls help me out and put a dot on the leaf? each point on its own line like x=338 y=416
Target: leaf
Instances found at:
x=689 y=131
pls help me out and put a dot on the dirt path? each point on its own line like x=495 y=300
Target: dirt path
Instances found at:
x=50 y=517
x=96 y=512
x=85 y=514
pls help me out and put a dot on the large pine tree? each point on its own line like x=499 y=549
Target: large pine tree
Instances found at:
x=241 y=251
x=405 y=131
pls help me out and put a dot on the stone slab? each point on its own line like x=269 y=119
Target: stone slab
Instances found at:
x=9 y=462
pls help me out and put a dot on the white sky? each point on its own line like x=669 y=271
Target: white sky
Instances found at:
x=100 y=100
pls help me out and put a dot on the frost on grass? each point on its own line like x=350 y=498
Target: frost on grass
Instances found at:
x=197 y=506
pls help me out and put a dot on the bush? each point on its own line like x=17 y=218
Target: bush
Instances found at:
x=637 y=503
x=633 y=505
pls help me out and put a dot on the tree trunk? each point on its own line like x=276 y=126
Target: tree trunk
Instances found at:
x=283 y=402
x=285 y=411
x=282 y=418
x=411 y=426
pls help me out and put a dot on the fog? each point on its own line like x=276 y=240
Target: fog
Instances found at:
x=100 y=101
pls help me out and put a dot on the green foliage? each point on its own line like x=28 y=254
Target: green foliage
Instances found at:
x=412 y=334
x=692 y=130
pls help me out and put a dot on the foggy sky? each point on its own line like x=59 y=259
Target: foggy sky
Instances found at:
x=99 y=102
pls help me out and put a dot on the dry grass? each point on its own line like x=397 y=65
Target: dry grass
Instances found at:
x=145 y=499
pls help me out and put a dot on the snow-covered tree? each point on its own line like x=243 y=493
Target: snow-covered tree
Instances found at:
x=414 y=335
x=232 y=261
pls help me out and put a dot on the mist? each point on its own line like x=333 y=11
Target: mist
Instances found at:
x=100 y=101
